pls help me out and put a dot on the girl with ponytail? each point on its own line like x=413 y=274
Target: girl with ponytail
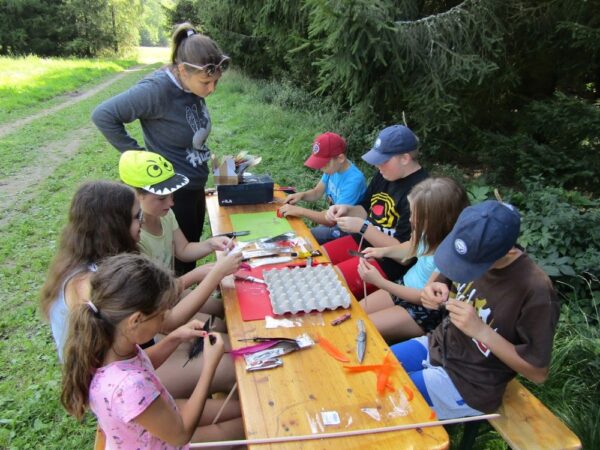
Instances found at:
x=106 y=370
x=170 y=106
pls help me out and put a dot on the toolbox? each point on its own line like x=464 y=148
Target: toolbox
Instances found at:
x=253 y=189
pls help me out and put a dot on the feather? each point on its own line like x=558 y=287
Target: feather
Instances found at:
x=198 y=344
x=254 y=348
x=332 y=350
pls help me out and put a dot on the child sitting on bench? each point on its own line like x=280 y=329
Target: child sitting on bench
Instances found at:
x=342 y=183
x=502 y=312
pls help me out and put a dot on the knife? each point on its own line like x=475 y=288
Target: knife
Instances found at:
x=361 y=341
x=233 y=234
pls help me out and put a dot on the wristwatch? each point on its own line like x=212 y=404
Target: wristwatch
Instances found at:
x=364 y=227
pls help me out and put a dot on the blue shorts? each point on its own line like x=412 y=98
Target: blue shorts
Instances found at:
x=433 y=382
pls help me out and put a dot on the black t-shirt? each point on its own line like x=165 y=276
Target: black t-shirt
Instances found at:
x=386 y=203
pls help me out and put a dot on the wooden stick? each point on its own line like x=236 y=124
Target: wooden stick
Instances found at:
x=309 y=437
x=224 y=403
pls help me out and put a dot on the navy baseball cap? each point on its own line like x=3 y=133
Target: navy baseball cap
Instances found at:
x=393 y=140
x=483 y=234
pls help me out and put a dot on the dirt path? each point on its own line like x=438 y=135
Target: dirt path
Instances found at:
x=16 y=188
x=75 y=97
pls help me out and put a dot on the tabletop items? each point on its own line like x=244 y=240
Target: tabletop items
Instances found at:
x=305 y=289
x=361 y=340
x=292 y=400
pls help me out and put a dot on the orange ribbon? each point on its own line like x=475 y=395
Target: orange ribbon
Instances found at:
x=382 y=371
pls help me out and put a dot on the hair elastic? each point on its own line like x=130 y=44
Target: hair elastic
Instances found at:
x=190 y=32
x=93 y=308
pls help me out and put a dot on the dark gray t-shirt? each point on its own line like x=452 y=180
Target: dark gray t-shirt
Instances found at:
x=175 y=124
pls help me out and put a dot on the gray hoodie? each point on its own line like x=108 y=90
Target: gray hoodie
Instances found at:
x=175 y=124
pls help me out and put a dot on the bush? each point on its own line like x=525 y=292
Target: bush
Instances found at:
x=560 y=230
x=558 y=139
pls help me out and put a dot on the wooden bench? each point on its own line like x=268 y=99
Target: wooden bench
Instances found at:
x=100 y=442
x=525 y=423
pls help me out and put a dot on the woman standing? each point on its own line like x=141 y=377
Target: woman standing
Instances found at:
x=175 y=121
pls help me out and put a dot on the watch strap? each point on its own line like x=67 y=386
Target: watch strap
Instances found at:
x=364 y=227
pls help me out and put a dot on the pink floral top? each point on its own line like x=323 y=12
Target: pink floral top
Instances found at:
x=121 y=391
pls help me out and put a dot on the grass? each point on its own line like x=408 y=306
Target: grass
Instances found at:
x=247 y=115
x=30 y=82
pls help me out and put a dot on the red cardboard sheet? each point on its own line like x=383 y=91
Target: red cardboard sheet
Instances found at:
x=253 y=298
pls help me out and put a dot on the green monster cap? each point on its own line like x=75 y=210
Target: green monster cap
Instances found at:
x=150 y=171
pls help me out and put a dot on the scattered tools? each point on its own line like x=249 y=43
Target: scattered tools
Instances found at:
x=280 y=237
x=249 y=278
x=233 y=234
x=361 y=341
x=340 y=319
x=279 y=251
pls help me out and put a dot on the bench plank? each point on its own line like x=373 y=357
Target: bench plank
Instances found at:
x=525 y=423
x=100 y=442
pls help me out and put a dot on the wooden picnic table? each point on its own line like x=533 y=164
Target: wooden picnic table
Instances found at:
x=290 y=400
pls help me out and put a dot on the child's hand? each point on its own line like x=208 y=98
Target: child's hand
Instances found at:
x=292 y=199
x=350 y=224
x=434 y=294
x=213 y=352
x=375 y=252
x=464 y=316
x=228 y=264
x=336 y=211
x=368 y=272
x=288 y=210
x=189 y=331
x=220 y=243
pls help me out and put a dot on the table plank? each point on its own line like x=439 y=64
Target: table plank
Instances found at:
x=285 y=401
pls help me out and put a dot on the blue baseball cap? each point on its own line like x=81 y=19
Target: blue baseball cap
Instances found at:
x=393 y=140
x=483 y=234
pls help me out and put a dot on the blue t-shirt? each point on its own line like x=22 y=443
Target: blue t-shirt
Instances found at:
x=345 y=188
x=418 y=275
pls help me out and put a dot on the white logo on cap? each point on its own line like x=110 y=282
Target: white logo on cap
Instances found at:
x=460 y=246
x=315 y=148
x=377 y=143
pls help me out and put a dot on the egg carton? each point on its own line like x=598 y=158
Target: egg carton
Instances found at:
x=305 y=289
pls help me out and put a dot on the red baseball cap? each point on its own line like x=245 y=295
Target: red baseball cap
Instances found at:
x=326 y=146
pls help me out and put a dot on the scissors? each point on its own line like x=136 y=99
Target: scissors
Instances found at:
x=361 y=341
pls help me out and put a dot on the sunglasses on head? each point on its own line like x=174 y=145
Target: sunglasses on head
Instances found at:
x=210 y=69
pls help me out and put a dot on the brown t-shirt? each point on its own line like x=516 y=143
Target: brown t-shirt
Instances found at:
x=519 y=303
